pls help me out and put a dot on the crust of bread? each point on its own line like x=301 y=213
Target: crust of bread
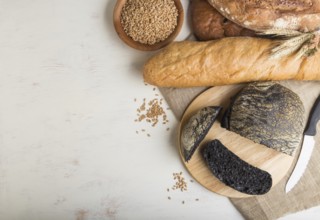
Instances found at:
x=208 y=24
x=225 y=61
x=303 y=15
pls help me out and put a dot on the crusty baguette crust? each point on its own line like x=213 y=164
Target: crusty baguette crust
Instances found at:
x=225 y=61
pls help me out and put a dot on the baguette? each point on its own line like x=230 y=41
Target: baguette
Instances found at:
x=225 y=61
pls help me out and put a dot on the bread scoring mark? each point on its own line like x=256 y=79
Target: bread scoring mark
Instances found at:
x=289 y=23
x=247 y=23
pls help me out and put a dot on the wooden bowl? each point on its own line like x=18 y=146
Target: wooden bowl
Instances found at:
x=140 y=46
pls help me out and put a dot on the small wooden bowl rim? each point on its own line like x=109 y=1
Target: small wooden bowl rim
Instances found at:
x=137 y=45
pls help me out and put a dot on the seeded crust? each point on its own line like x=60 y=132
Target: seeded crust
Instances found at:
x=303 y=15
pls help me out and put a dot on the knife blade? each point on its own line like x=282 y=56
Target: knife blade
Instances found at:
x=307 y=146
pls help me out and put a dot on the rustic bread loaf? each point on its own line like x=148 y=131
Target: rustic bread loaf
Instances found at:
x=208 y=24
x=269 y=114
x=303 y=15
x=225 y=61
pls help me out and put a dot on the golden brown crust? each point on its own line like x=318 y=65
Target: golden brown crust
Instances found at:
x=303 y=15
x=209 y=24
x=225 y=61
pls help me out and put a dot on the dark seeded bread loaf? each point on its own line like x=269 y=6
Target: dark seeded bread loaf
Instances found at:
x=234 y=172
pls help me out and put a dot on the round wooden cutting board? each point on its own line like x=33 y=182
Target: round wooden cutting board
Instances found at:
x=272 y=161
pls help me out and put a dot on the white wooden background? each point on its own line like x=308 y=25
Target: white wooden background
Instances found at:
x=68 y=142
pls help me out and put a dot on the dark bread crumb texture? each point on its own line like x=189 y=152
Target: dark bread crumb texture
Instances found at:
x=234 y=172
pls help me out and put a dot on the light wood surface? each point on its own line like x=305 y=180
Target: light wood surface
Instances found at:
x=274 y=162
x=69 y=148
x=137 y=45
